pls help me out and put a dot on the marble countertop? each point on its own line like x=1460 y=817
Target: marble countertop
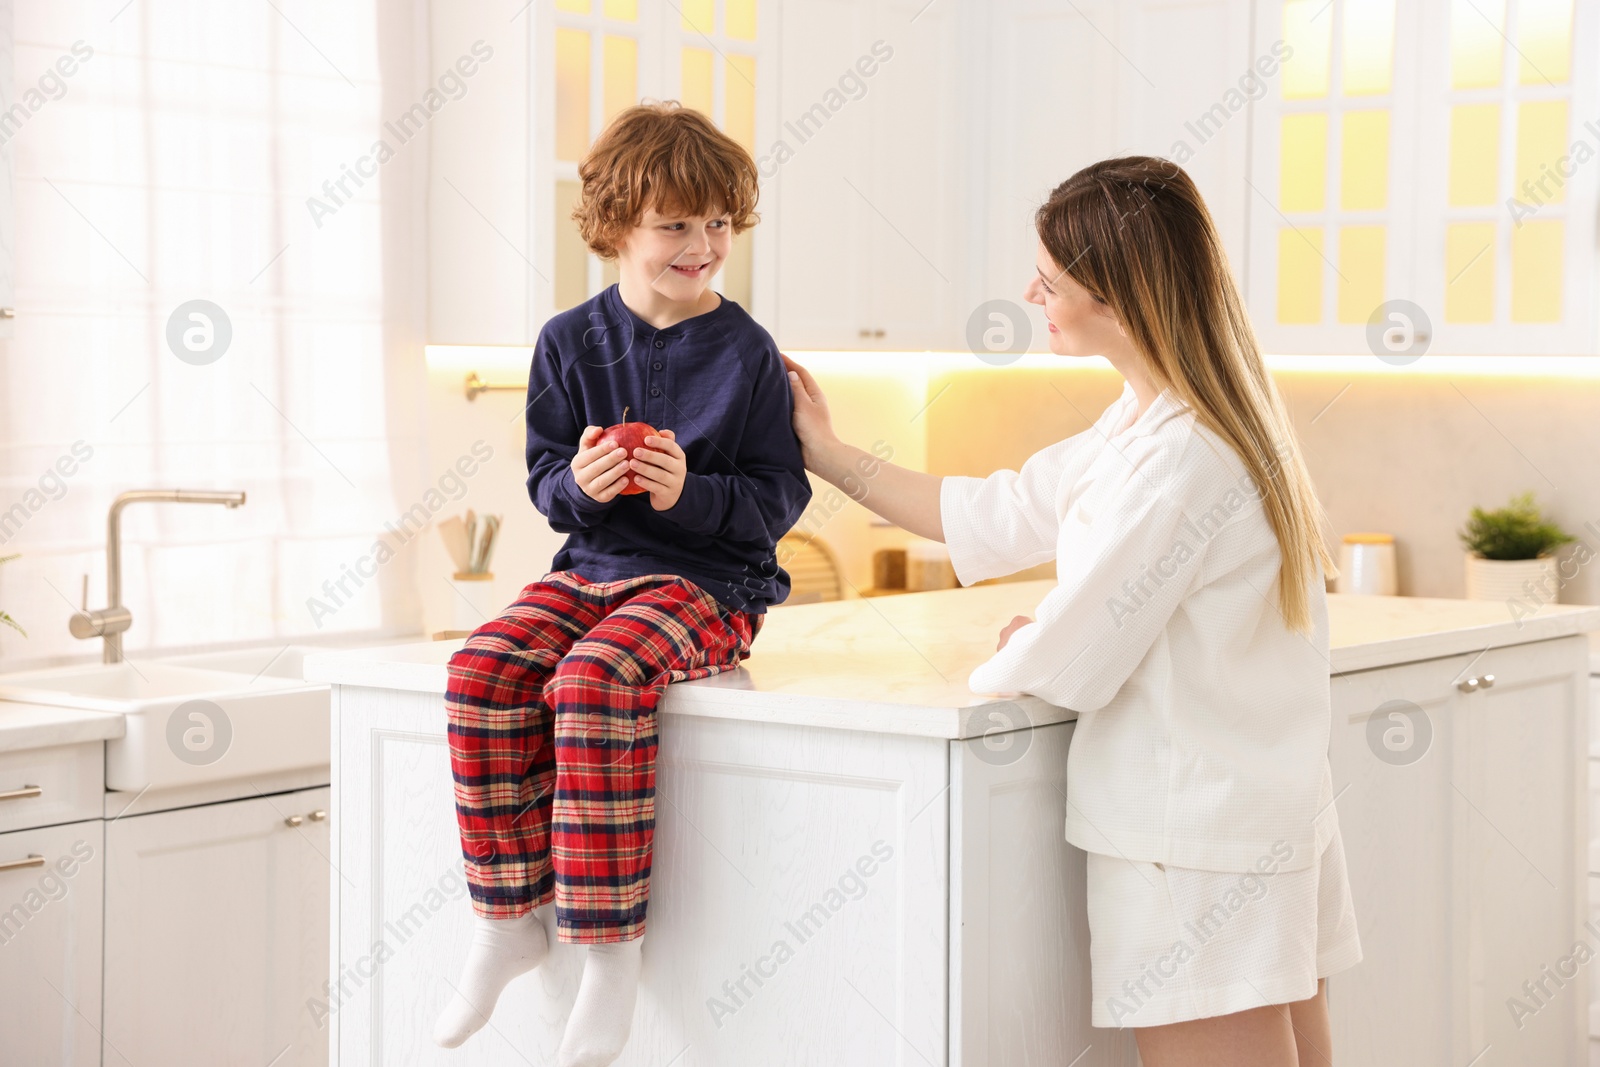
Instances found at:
x=1376 y=631
x=899 y=664
x=25 y=726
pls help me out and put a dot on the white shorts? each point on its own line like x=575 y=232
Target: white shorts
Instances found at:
x=1169 y=944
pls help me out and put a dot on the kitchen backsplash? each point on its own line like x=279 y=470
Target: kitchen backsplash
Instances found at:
x=1405 y=453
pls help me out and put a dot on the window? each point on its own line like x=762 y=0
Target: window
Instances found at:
x=167 y=173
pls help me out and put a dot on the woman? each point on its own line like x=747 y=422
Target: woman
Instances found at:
x=1188 y=629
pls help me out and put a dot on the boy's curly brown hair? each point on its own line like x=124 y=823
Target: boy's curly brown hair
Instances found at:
x=665 y=157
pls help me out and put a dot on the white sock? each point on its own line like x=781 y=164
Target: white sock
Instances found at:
x=501 y=950
x=603 y=1015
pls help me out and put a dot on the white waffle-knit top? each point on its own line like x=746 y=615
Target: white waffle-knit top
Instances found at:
x=1203 y=720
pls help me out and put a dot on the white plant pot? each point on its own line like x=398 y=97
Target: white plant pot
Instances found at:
x=1532 y=580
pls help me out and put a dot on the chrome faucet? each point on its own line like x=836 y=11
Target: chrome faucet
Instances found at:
x=110 y=621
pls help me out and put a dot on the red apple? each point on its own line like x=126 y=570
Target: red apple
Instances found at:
x=629 y=435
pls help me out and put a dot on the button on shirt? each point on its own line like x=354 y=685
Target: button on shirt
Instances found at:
x=716 y=380
x=1203 y=721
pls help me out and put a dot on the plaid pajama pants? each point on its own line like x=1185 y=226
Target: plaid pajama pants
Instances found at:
x=552 y=710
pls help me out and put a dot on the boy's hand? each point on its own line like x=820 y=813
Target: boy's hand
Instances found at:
x=660 y=467
x=599 y=471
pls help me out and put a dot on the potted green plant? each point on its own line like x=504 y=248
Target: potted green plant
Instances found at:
x=7 y=619
x=1508 y=548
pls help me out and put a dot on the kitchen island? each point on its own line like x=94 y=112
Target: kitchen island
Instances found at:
x=859 y=861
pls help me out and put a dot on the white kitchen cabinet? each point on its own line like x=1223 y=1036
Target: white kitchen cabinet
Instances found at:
x=1066 y=85
x=1184 y=87
x=51 y=896
x=914 y=187
x=869 y=198
x=1432 y=160
x=216 y=941
x=836 y=894
x=1466 y=862
x=821 y=258
x=1047 y=103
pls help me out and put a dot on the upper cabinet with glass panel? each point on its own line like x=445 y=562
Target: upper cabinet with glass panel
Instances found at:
x=1506 y=249
x=1398 y=163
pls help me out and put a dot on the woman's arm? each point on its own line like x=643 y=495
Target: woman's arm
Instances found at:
x=907 y=498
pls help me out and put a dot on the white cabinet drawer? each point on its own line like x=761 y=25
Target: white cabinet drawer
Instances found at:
x=70 y=781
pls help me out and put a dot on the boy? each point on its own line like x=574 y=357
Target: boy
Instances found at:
x=552 y=705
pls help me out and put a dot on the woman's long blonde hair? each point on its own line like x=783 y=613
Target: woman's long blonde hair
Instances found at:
x=1136 y=234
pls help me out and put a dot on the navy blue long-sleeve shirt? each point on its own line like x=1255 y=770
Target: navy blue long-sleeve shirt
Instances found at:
x=716 y=380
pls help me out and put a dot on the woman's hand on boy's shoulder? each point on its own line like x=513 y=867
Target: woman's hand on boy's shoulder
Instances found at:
x=661 y=467
x=813 y=424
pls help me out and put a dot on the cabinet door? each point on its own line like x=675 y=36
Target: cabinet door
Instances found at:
x=1429 y=152
x=762 y=832
x=217 y=933
x=871 y=191
x=819 y=170
x=1519 y=868
x=51 y=886
x=1505 y=254
x=1395 y=805
x=1047 y=108
x=1463 y=819
x=1019 y=919
x=1333 y=199
x=914 y=193
x=1184 y=94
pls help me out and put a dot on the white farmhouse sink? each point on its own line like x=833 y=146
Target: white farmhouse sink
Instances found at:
x=187 y=725
x=280 y=661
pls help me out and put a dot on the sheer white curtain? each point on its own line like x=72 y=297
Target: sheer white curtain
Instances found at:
x=175 y=164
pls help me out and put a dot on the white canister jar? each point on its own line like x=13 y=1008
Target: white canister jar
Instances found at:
x=1366 y=565
x=474 y=602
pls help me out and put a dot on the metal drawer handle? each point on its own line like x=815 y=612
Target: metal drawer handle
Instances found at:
x=1486 y=682
x=33 y=860
x=294 y=820
x=318 y=815
x=22 y=794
